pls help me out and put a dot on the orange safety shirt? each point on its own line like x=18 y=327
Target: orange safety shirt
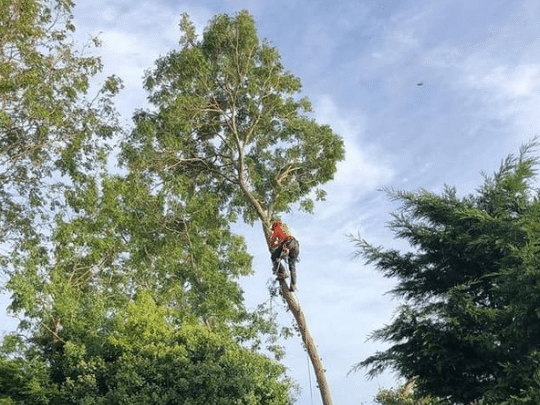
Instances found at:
x=280 y=233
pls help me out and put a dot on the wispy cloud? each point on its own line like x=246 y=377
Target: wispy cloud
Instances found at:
x=366 y=167
x=134 y=35
x=511 y=92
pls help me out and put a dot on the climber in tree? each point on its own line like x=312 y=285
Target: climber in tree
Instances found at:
x=282 y=238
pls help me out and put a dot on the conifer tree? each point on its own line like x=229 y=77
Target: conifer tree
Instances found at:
x=468 y=330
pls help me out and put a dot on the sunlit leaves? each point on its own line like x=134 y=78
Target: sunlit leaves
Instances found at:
x=143 y=358
x=46 y=122
x=231 y=117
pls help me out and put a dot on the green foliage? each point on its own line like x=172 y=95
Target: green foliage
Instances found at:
x=404 y=395
x=229 y=116
x=145 y=359
x=126 y=237
x=46 y=123
x=469 y=329
x=130 y=294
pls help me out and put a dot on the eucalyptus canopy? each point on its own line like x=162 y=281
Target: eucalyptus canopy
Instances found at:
x=229 y=115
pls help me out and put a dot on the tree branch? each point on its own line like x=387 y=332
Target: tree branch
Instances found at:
x=289 y=168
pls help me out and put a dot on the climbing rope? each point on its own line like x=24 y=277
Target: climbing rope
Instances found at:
x=309 y=374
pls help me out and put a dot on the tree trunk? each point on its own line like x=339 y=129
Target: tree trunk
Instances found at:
x=295 y=308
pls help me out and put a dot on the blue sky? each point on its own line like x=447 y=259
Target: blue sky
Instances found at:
x=360 y=64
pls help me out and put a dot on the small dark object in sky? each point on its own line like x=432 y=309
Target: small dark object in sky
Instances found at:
x=420 y=84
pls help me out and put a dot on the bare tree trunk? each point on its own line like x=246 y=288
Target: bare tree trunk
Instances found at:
x=295 y=308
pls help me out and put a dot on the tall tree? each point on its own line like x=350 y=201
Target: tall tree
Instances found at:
x=228 y=114
x=166 y=254
x=51 y=132
x=469 y=329
x=46 y=119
